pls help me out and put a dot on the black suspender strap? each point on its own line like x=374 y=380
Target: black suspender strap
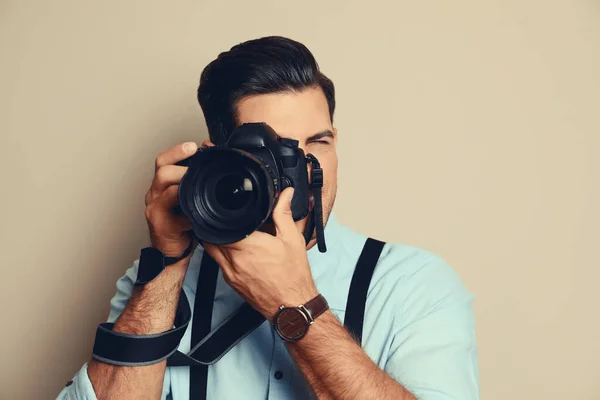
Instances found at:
x=359 y=287
x=208 y=346
x=201 y=323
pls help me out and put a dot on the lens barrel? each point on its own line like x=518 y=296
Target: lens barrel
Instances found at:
x=227 y=194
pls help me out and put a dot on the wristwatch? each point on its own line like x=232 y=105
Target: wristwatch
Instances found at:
x=153 y=262
x=292 y=323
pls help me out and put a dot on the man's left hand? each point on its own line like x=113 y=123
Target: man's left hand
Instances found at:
x=269 y=270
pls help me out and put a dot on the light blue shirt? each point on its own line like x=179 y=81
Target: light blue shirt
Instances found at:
x=419 y=327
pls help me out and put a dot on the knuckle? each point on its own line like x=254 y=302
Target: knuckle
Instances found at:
x=159 y=176
x=149 y=212
x=287 y=211
x=229 y=276
x=159 y=161
x=280 y=212
x=173 y=190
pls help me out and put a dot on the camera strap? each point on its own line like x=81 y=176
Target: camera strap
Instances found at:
x=137 y=350
x=315 y=220
x=353 y=320
x=212 y=344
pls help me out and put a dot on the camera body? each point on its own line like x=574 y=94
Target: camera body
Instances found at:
x=281 y=157
x=229 y=191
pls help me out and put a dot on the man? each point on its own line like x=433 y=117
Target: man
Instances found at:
x=418 y=338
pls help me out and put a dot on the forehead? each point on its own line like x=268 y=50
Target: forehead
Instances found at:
x=297 y=115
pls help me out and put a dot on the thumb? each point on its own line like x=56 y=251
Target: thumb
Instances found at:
x=282 y=214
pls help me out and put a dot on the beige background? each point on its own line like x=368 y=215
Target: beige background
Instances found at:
x=470 y=128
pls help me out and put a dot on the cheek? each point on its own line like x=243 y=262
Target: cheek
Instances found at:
x=330 y=172
x=329 y=163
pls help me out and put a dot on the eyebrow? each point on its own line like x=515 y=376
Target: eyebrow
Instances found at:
x=320 y=135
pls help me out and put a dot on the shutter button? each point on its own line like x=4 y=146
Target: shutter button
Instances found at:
x=278 y=375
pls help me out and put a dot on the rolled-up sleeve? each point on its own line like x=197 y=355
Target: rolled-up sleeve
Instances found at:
x=80 y=387
x=434 y=350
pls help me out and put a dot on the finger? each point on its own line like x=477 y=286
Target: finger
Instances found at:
x=256 y=238
x=301 y=225
x=282 y=214
x=207 y=143
x=166 y=176
x=161 y=217
x=161 y=223
x=175 y=154
x=182 y=223
x=168 y=199
x=217 y=254
x=162 y=210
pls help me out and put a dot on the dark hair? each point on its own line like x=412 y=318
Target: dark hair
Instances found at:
x=272 y=64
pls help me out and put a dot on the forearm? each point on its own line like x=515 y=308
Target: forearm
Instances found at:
x=150 y=310
x=337 y=368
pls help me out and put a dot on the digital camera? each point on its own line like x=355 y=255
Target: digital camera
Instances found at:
x=229 y=191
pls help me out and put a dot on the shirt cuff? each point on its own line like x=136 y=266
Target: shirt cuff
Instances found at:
x=80 y=388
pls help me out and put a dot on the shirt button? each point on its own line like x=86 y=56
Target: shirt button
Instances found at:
x=278 y=375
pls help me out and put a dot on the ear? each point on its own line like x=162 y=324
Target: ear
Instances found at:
x=335 y=136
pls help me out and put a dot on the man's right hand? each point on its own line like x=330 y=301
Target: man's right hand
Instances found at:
x=168 y=230
x=151 y=308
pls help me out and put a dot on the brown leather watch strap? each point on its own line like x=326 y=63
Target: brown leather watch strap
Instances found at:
x=316 y=307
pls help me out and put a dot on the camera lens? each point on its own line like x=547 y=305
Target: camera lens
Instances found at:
x=226 y=194
x=234 y=191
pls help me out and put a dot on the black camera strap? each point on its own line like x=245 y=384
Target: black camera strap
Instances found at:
x=138 y=350
x=211 y=345
x=353 y=321
x=315 y=220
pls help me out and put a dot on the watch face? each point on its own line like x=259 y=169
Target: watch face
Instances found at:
x=291 y=324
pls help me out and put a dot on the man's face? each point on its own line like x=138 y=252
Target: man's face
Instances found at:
x=303 y=116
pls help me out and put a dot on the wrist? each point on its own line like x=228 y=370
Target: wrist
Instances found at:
x=172 y=247
x=153 y=263
x=292 y=323
x=292 y=298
